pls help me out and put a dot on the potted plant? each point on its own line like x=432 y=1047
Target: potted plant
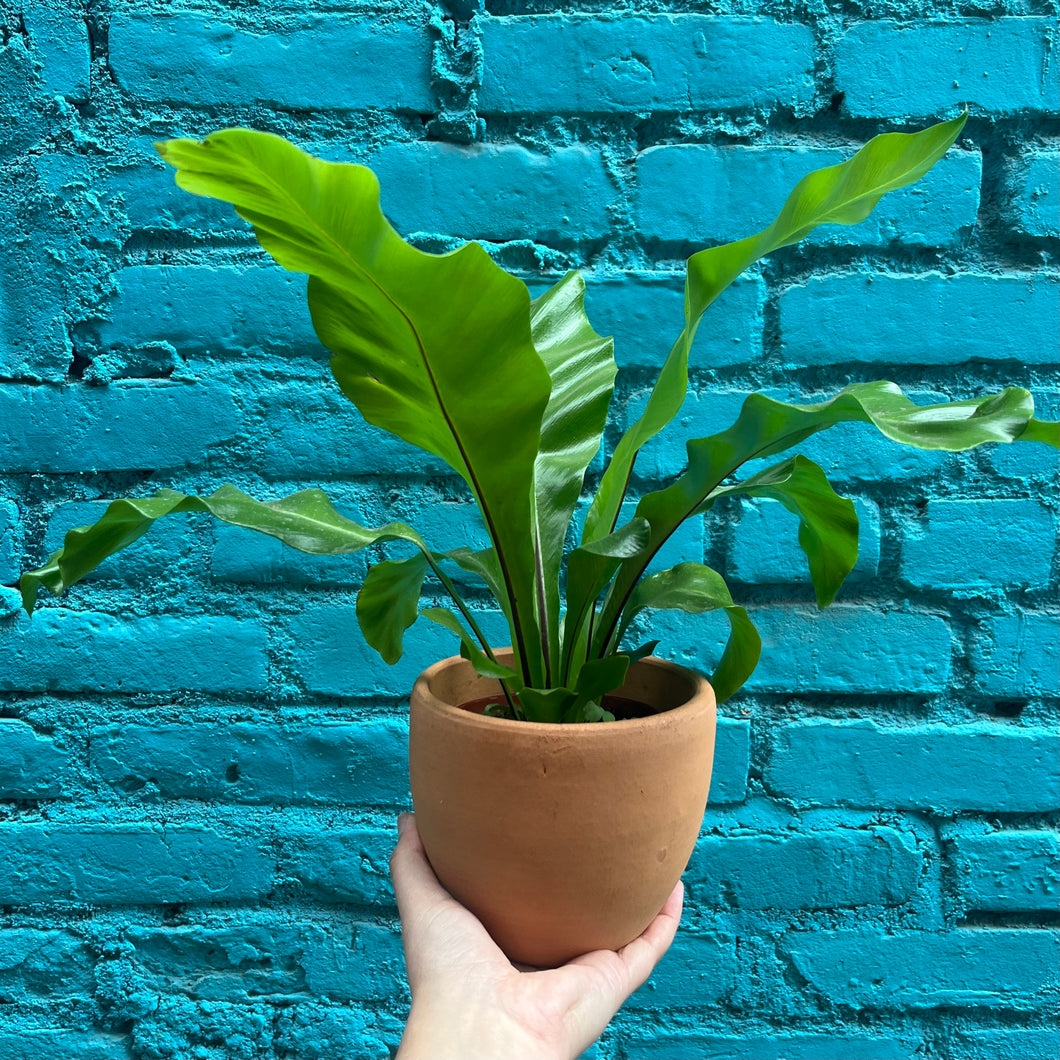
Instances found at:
x=559 y=782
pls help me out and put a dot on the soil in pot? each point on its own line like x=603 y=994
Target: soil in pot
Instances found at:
x=623 y=709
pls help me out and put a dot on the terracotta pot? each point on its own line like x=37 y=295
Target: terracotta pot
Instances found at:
x=561 y=838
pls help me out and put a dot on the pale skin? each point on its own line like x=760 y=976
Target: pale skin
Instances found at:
x=469 y=1002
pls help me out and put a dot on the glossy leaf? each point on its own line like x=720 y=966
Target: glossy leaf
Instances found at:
x=595 y=680
x=828 y=523
x=766 y=427
x=388 y=603
x=695 y=588
x=436 y=349
x=589 y=569
x=306 y=521
x=845 y=194
x=484 y=663
x=546 y=704
x=582 y=368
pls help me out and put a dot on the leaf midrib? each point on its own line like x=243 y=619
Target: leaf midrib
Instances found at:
x=505 y=571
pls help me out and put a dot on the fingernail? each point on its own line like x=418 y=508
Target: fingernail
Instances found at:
x=403 y=822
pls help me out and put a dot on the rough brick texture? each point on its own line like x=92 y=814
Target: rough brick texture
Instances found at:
x=325 y=64
x=632 y=63
x=200 y=759
x=895 y=69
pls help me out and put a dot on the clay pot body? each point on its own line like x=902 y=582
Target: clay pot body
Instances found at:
x=561 y=838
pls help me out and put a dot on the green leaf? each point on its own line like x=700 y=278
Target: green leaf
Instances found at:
x=828 y=523
x=843 y=194
x=695 y=588
x=582 y=368
x=484 y=664
x=1045 y=431
x=546 y=704
x=589 y=568
x=595 y=680
x=595 y=712
x=642 y=652
x=388 y=603
x=436 y=349
x=306 y=521
x=483 y=564
x=766 y=427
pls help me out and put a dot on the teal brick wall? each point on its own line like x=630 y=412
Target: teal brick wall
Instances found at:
x=200 y=761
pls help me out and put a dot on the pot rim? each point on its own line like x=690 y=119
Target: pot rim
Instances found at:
x=702 y=698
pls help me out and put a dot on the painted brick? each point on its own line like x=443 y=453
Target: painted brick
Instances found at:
x=237 y=963
x=1022 y=462
x=1014 y=542
x=998 y=968
x=127 y=864
x=1036 y=188
x=340 y=864
x=833 y=1046
x=212 y=308
x=444 y=524
x=928 y=319
x=61 y=1043
x=308 y=431
x=844 y=650
x=61 y=42
x=852 y=649
x=666 y=454
x=564 y=64
x=321 y=1030
x=240 y=555
x=163 y=547
x=698 y=193
x=333 y=659
x=10 y=601
x=892 y=69
x=685 y=545
x=1017 y=655
x=495 y=191
x=921 y=767
x=1008 y=871
x=44 y=963
x=256 y=957
x=93 y=652
x=10 y=545
x=301 y=762
x=766 y=546
x=35 y=343
x=644 y=312
x=325 y=64
x=31 y=766
x=125 y=425
x=814 y=870
x=1010 y=1044
x=732 y=761
x=697 y=970
x=151 y=197
x=371 y=967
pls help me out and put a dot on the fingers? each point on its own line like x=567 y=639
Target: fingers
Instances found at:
x=415 y=885
x=642 y=954
x=615 y=975
x=635 y=961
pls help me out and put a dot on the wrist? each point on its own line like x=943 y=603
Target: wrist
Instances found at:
x=455 y=1030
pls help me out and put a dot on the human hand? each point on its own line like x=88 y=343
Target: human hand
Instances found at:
x=469 y=1002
